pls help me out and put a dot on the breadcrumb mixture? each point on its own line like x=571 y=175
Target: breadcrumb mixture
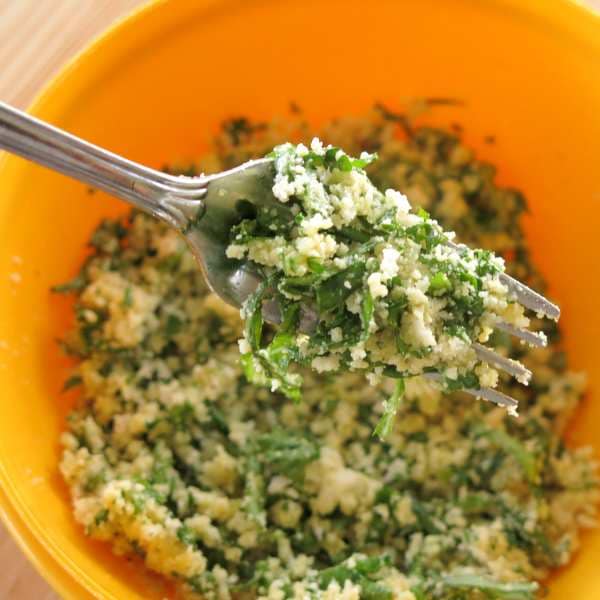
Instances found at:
x=391 y=294
x=235 y=492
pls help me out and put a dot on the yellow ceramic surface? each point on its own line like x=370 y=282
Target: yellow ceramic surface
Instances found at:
x=158 y=84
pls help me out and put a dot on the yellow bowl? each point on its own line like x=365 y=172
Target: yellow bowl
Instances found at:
x=158 y=84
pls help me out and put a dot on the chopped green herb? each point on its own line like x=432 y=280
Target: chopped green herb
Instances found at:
x=492 y=589
x=72 y=382
x=515 y=448
x=101 y=517
x=390 y=408
x=75 y=285
x=173 y=326
x=128 y=297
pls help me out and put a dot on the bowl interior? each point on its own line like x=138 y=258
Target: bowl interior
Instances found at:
x=156 y=88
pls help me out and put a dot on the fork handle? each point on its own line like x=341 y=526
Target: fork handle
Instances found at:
x=173 y=199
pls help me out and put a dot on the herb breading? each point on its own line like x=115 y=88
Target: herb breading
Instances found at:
x=232 y=491
x=392 y=296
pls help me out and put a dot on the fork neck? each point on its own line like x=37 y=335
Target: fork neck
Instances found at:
x=177 y=206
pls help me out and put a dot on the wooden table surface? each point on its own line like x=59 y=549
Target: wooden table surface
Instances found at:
x=36 y=38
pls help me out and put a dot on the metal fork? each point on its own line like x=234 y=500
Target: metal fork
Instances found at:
x=204 y=209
